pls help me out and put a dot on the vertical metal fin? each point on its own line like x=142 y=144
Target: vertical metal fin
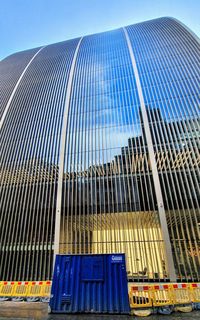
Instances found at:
x=15 y=88
x=157 y=186
x=62 y=152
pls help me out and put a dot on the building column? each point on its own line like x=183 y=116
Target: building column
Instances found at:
x=158 y=192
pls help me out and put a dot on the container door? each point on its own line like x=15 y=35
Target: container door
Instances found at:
x=64 y=283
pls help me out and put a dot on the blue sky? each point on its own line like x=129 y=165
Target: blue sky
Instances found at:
x=27 y=24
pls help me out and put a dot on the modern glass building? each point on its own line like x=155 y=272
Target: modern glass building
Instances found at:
x=100 y=152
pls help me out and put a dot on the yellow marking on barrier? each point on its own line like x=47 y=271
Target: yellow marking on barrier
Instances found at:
x=7 y=288
x=25 y=289
x=46 y=289
x=181 y=293
x=195 y=292
x=140 y=297
x=21 y=289
x=35 y=289
x=162 y=295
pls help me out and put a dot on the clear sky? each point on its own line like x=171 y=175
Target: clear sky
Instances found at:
x=26 y=24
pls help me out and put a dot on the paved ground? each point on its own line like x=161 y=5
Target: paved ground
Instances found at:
x=37 y=310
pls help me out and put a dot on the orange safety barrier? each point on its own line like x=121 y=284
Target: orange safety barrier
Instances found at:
x=35 y=289
x=21 y=289
x=25 y=289
x=140 y=297
x=181 y=293
x=162 y=295
x=7 y=288
x=46 y=289
x=195 y=292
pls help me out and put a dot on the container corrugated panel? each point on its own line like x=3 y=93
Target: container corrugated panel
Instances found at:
x=90 y=283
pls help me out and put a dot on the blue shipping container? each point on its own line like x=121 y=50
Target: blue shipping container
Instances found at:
x=95 y=283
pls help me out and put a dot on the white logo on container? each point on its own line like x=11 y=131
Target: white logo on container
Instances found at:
x=117 y=258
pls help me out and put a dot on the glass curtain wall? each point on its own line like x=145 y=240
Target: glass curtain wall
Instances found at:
x=29 y=151
x=109 y=202
x=167 y=56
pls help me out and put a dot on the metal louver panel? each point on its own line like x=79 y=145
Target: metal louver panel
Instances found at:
x=10 y=71
x=30 y=139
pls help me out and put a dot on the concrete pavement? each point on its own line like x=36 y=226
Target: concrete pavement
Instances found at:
x=38 y=310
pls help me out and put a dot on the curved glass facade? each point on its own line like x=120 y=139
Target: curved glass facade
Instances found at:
x=99 y=155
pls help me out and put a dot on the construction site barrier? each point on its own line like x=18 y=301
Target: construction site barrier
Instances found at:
x=25 y=289
x=195 y=292
x=46 y=289
x=181 y=293
x=140 y=297
x=20 y=289
x=148 y=296
x=7 y=288
x=161 y=295
x=35 y=289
